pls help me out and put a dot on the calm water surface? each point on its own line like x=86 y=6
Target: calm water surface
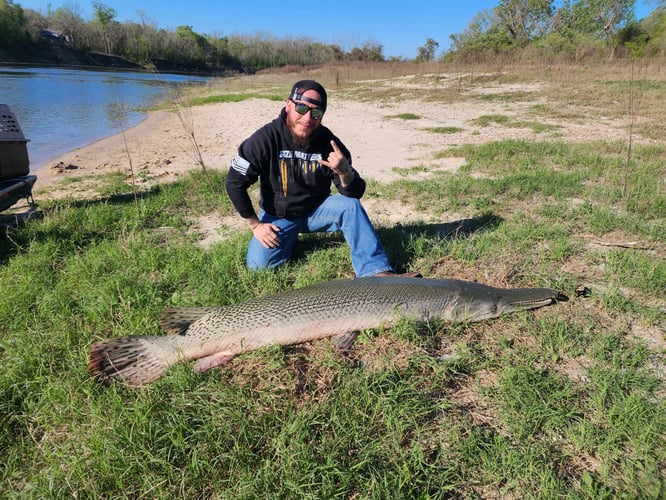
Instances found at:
x=62 y=109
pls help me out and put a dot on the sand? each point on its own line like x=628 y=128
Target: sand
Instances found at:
x=384 y=146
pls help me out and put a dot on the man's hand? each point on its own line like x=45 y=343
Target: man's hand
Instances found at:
x=265 y=232
x=338 y=163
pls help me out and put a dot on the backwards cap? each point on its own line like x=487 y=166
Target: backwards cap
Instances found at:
x=300 y=87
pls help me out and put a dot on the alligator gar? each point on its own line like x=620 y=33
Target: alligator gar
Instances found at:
x=214 y=335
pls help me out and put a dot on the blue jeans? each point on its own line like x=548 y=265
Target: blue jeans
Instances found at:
x=336 y=213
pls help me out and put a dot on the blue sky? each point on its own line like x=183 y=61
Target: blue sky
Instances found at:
x=400 y=26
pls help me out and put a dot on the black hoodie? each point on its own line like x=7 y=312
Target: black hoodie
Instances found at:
x=292 y=181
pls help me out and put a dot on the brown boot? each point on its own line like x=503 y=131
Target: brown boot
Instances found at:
x=398 y=275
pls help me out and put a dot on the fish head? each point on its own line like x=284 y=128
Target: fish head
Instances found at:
x=495 y=302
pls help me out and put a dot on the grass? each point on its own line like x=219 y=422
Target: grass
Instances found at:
x=566 y=401
x=223 y=98
x=444 y=130
x=489 y=120
x=406 y=116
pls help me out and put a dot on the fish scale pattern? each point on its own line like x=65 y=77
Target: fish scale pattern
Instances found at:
x=212 y=336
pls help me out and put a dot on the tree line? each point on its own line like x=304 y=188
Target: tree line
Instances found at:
x=22 y=34
x=566 y=28
x=569 y=28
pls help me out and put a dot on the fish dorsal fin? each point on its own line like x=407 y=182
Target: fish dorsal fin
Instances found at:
x=176 y=320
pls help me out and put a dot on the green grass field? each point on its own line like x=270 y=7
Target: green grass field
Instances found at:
x=566 y=401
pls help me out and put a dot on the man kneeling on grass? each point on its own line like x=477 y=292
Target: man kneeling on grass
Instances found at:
x=296 y=158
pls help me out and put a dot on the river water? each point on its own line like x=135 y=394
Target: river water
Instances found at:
x=63 y=109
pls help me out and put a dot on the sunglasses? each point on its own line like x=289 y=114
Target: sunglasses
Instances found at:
x=302 y=109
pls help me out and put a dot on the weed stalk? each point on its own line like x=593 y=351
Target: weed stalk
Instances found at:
x=186 y=118
x=632 y=110
x=118 y=112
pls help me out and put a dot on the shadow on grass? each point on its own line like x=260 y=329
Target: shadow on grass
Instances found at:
x=397 y=239
x=447 y=230
x=20 y=230
x=190 y=192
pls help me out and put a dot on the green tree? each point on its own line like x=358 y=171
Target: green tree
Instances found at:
x=633 y=37
x=369 y=51
x=14 y=34
x=192 y=44
x=525 y=20
x=104 y=15
x=655 y=27
x=593 y=19
x=609 y=15
x=483 y=33
x=427 y=52
x=477 y=28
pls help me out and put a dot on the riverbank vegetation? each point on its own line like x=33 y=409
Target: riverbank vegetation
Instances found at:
x=562 y=402
x=544 y=30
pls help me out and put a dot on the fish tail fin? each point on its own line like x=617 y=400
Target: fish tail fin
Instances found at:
x=135 y=360
x=176 y=320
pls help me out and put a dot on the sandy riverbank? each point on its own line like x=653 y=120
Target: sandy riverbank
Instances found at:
x=161 y=147
x=384 y=146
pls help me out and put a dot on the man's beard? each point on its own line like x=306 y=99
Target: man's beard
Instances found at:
x=301 y=142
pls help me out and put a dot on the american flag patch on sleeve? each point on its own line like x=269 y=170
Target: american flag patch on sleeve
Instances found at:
x=240 y=164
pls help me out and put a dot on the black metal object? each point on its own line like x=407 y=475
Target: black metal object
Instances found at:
x=15 y=180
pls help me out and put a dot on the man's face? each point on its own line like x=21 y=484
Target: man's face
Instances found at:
x=302 y=126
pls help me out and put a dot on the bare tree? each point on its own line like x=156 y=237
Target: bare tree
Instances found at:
x=69 y=20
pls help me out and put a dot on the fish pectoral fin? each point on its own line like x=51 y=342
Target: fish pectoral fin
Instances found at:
x=213 y=360
x=176 y=320
x=345 y=340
